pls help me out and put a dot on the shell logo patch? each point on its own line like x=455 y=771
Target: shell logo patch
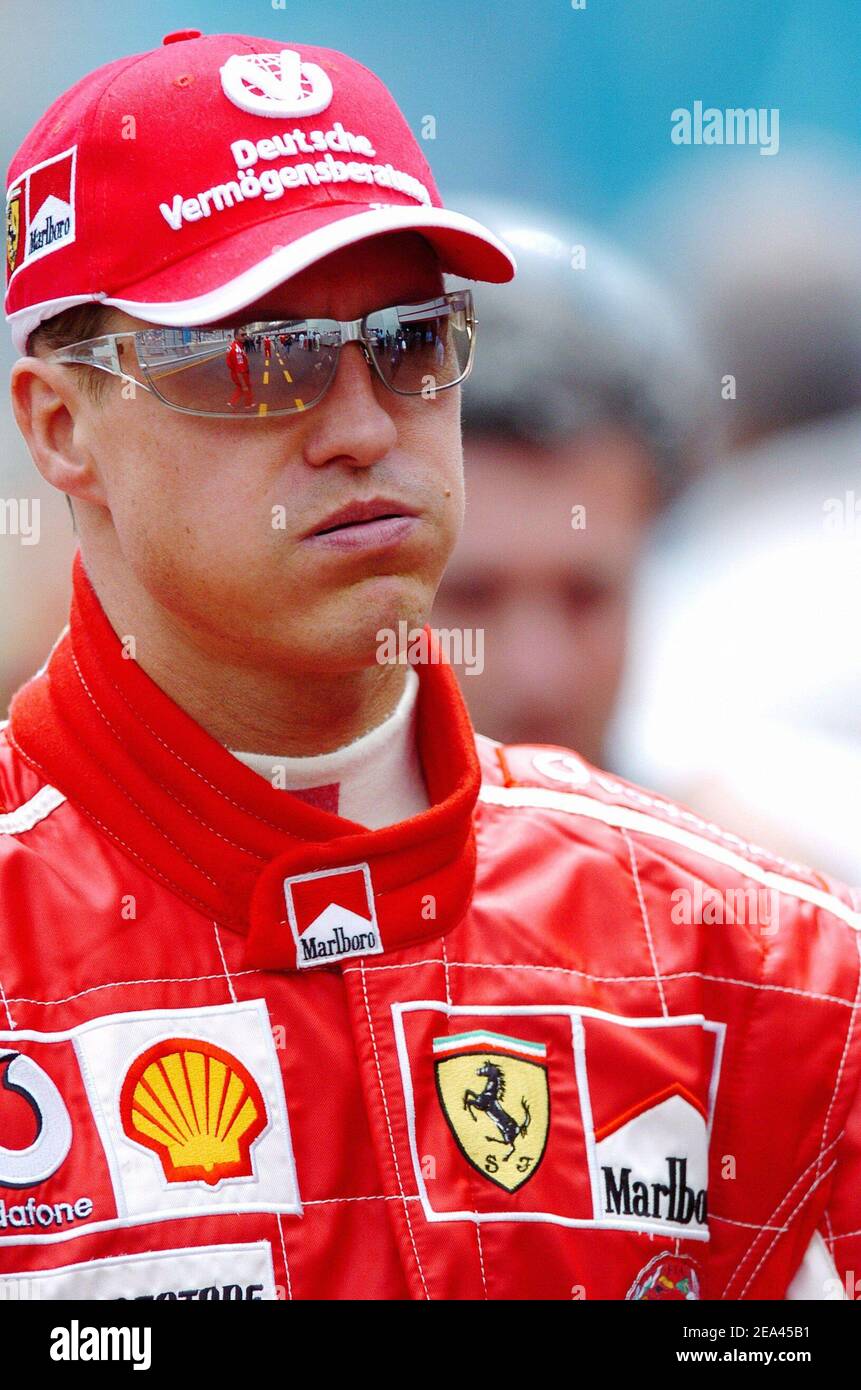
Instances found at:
x=495 y=1096
x=195 y=1106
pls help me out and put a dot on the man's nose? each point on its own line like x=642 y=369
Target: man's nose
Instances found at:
x=351 y=423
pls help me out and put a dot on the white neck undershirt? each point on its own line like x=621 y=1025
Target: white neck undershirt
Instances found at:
x=375 y=781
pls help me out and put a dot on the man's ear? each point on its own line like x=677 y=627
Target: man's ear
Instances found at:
x=49 y=408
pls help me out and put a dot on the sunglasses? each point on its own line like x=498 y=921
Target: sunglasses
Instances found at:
x=284 y=366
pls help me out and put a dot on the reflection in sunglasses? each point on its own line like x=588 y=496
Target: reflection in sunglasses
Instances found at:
x=281 y=367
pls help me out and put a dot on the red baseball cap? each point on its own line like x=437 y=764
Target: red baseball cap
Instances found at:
x=182 y=184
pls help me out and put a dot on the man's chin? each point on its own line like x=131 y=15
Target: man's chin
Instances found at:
x=356 y=632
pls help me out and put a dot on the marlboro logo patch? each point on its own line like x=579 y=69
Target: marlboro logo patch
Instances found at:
x=560 y=1114
x=332 y=915
x=650 y=1120
x=40 y=211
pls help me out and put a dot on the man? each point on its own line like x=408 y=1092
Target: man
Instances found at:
x=614 y=423
x=307 y=991
x=240 y=374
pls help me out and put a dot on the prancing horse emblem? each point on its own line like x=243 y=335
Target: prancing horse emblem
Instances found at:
x=489 y=1102
x=478 y=1119
x=13 y=231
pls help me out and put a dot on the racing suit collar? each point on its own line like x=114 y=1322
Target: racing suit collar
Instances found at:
x=240 y=850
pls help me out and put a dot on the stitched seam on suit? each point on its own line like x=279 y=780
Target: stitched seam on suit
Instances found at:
x=615 y=815
x=844 y=1235
x=620 y=979
x=111 y=835
x=645 y=916
x=445 y=964
x=746 y=1225
x=481 y=1258
x=284 y=1256
x=391 y=1135
x=830 y=1237
x=7 y=1010
x=205 y=823
x=461 y=965
x=224 y=963
x=748 y=1254
x=840 y=1069
x=775 y=1238
x=197 y=773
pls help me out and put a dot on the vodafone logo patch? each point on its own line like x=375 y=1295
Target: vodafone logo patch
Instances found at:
x=276 y=84
x=28 y=1164
x=332 y=915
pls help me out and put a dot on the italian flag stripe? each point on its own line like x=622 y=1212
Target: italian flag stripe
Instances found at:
x=479 y=1038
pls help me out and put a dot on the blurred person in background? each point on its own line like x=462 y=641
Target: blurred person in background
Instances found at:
x=565 y=476
x=744 y=693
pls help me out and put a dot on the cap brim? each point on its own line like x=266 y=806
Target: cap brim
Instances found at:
x=219 y=281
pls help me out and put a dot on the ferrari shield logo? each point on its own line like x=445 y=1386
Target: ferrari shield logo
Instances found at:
x=494 y=1094
x=13 y=230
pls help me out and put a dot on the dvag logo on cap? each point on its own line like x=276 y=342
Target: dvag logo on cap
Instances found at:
x=276 y=84
x=332 y=915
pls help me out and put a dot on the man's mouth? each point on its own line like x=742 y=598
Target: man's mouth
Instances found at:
x=376 y=523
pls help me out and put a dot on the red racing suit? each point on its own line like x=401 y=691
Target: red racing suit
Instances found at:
x=237 y=361
x=553 y=1038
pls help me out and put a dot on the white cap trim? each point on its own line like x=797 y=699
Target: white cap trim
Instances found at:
x=23 y=322
x=273 y=270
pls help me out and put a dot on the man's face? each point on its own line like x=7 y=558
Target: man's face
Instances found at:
x=218 y=520
x=552 y=600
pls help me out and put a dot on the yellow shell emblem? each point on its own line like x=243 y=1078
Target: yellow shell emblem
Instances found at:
x=195 y=1106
